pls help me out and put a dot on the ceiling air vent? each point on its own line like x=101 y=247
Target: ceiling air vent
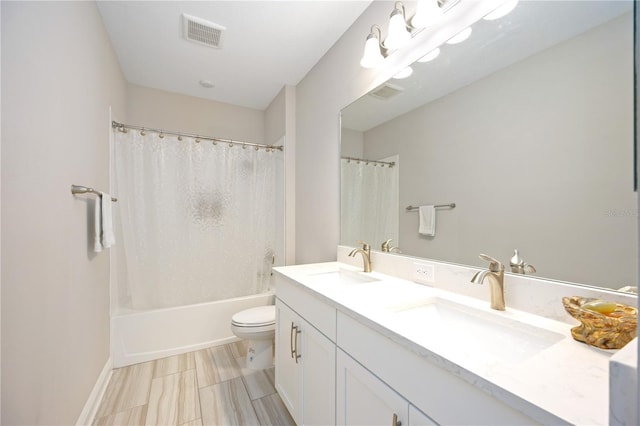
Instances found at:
x=386 y=91
x=201 y=31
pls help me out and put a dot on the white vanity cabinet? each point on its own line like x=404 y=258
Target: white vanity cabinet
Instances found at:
x=334 y=366
x=305 y=357
x=444 y=397
x=363 y=399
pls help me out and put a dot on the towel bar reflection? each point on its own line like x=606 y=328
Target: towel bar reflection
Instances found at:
x=79 y=189
x=438 y=206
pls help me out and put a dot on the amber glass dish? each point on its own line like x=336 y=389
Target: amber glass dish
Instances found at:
x=606 y=331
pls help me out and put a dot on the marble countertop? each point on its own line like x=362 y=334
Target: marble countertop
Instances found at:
x=565 y=382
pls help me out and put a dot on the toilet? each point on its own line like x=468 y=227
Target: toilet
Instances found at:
x=258 y=326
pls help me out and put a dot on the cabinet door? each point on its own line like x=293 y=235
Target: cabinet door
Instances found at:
x=363 y=399
x=288 y=368
x=318 y=356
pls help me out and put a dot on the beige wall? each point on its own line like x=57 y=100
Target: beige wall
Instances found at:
x=526 y=172
x=274 y=117
x=334 y=82
x=280 y=123
x=59 y=77
x=172 y=111
x=351 y=143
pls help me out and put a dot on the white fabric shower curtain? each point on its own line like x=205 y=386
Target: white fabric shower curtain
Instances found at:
x=369 y=203
x=197 y=219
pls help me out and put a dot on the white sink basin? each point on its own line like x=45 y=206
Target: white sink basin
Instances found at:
x=342 y=277
x=464 y=329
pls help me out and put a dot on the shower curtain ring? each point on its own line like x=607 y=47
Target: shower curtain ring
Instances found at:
x=142 y=132
x=179 y=137
x=161 y=135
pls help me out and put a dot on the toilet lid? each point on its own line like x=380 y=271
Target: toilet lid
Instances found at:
x=254 y=317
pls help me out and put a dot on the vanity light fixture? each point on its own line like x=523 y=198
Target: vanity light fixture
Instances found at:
x=428 y=12
x=430 y=56
x=373 y=57
x=399 y=35
x=460 y=37
x=400 y=29
x=406 y=72
x=501 y=10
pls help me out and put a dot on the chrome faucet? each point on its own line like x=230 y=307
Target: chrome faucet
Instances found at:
x=365 y=251
x=386 y=247
x=495 y=274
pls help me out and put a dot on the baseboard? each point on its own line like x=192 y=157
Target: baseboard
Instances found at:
x=93 y=402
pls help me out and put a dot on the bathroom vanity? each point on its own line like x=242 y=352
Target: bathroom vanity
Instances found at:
x=376 y=348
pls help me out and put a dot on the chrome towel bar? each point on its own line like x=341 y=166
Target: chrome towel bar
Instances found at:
x=439 y=206
x=79 y=189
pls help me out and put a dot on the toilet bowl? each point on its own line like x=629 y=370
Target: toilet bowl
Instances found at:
x=257 y=325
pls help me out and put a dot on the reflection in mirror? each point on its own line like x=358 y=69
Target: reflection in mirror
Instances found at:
x=528 y=127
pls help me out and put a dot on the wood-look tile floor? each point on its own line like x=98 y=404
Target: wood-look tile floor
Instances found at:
x=206 y=387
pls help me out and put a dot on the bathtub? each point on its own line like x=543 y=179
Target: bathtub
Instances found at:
x=147 y=335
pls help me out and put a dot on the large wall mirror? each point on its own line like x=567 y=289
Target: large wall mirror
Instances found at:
x=527 y=127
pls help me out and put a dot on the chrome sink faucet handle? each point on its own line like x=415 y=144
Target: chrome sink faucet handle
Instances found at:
x=365 y=251
x=495 y=275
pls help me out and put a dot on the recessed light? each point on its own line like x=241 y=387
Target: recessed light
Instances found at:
x=206 y=84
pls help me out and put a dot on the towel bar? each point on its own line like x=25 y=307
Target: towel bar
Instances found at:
x=79 y=189
x=438 y=206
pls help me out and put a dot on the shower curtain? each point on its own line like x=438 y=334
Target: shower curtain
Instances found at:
x=197 y=220
x=369 y=203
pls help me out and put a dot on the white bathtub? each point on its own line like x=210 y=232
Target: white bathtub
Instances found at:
x=148 y=335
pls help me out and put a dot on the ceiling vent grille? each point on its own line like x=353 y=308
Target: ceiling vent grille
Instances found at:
x=201 y=31
x=386 y=91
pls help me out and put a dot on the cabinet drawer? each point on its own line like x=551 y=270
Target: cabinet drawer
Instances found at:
x=305 y=304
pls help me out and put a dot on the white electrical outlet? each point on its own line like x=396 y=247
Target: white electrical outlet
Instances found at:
x=423 y=273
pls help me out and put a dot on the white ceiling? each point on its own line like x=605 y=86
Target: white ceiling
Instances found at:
x=267 y=44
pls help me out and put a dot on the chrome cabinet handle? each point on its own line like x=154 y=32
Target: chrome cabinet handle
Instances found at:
x=395 y=421
x=291 y=339
x=297 y=355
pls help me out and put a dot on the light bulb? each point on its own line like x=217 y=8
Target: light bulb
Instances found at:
x=398 y=36
x=427 y=13
x=404 y=73
x=372 y=57
x=430 y=56
x=460 y=37
x=501 y=10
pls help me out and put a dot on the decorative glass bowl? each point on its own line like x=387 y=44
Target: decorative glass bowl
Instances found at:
x=610 y=330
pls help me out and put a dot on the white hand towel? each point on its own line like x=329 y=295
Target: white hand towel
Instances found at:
x=108 y=237
x=427 y=220
x=97 y=221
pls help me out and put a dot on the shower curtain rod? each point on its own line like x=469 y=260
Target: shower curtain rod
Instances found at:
x=122 y=128
x=384 y=163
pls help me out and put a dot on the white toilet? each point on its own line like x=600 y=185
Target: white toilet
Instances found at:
x=258 y=326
